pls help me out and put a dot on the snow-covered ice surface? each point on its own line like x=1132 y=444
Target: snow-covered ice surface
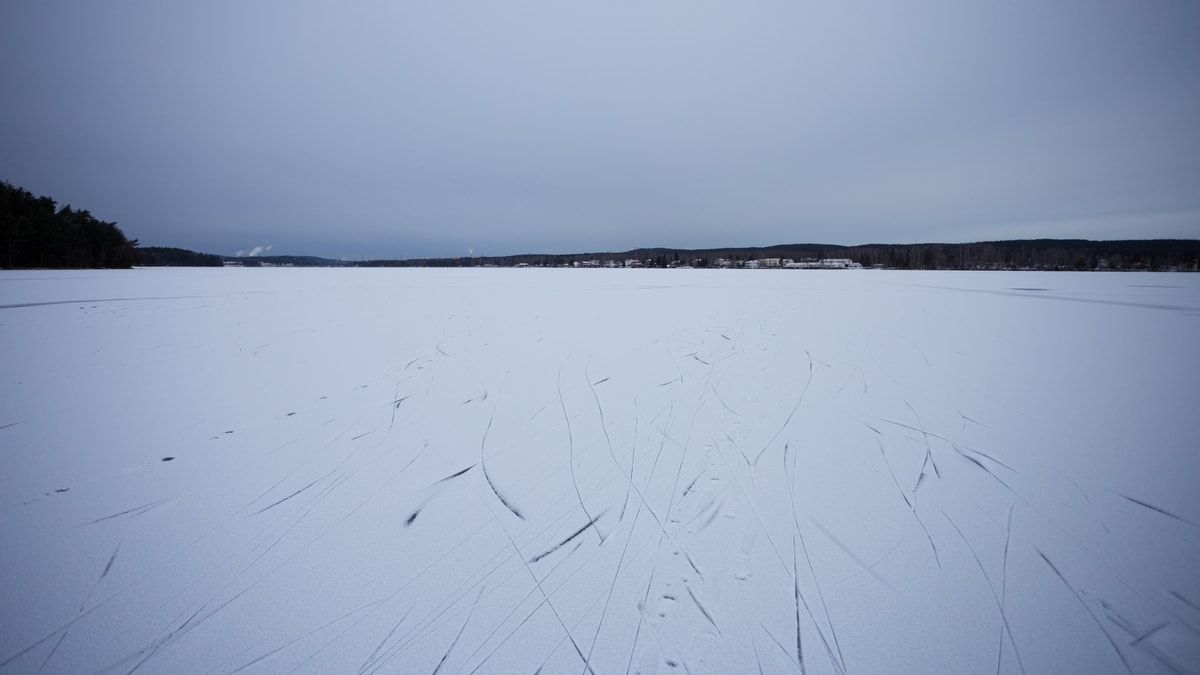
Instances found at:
x=415 y=470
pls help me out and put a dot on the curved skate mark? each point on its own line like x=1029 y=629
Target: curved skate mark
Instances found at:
x=931 y=434
x=1092 y=614
x=413 y=516
x=520 y=603
x=981 y=454
x=53 y=651
x=925 y=529
x=701 y=608
x=876 y=563
x=1178 y=596
x=107 y=569
x=13 y=424
x=641 y=604
x=1156 y=509
x=111 y=560
x=307 y=635
x=375 y=654
x=515 y=511
x=571 y=463
x=132 y=513
x=1003 y=596
x=1137 y=642
x=888 y=464
x=754 y=644
x=720 y=400
x=693 y=564
x=280 y=501
x=460 y=632
x=712 y=516
x=1140 y=637
x=1120 y=303
x=980 y=465
x=456 y=474
x=72 y=302
x=612 y=586
x=690 y=485
x=608 y=442
x=416 y=512
x=564 y=542
x=687 y=442
x=850 y=554
x=196 y=619
x=839 y=662
x=991 y=587
x=788 y=655
x=487 y=477
x=753 y=510
x=928 y=449
x=790 y=414
x=538 y=583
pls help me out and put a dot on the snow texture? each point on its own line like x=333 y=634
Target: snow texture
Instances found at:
x=609 y=471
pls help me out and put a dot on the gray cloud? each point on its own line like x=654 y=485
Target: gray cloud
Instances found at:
x=406 y=129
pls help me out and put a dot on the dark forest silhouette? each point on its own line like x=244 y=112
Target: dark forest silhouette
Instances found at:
x=34 y=232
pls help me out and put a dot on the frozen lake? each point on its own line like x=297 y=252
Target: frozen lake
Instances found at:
x=501 y=470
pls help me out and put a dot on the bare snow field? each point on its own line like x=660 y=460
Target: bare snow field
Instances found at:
x=512 y=471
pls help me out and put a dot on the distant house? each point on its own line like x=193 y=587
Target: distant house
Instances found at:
x=839 y=264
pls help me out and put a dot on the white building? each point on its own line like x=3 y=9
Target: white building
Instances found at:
x=839 y=264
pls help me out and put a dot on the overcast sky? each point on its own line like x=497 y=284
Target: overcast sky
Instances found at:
x=405 y=129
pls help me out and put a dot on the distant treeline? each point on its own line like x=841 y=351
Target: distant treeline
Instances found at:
x=1040 y=254
x=34 y=232
x=283 y=261
x=158 y=256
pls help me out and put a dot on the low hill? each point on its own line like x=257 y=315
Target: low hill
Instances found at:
x=160 y=256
